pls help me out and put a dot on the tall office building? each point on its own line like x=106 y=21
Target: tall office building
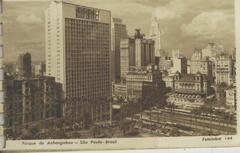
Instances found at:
x=136 y=52
x=119 y=31
x=155 y=34
x=78 y=48
x=24 y=65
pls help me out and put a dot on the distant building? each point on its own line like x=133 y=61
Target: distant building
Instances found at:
x=24 y=65
x=231 y=97
x=39 y=69
x=136 y=52
x=142 y=83
x=155 y=34
x=127 y=56
x=179 y=63
x=224 y=69
x=212 y=50
x=119 y=31
x=165 y=63
x=201 y=64
x=31 y=102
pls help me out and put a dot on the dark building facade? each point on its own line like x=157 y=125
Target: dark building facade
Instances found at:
x=119 y=32
x=24 y=65
x=31 y=102
x=135 y=52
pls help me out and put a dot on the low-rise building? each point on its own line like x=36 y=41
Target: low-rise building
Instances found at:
x=189 y=89
x=192 y=84
x=31 y=102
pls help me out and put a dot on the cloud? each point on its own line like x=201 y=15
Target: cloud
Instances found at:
x=29 y=19
x=209 y=25
x=178 y=8
x=165 y=13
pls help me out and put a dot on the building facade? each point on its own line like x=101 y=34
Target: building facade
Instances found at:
x=201 y=64
x=31 y=102
x=127 y=56
x=39 y=69
x=179 y=63
x=190 y=90
x=224 y=69
x=78 y=44
x=231 y=98
x=192 y=83
x=142 y=83
x=165 y=63
x=136 y=52
x=24 y=65
x=119 y=90
x=78 y=41
x=119 y=31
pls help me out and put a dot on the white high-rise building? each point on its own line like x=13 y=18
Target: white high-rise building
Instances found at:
x=155 y=34
x=78 y=44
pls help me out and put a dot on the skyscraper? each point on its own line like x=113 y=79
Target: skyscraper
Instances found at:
x=136 y=51
x=155 y=34
x=77 y=49
x=24 y=65
x=119 y=31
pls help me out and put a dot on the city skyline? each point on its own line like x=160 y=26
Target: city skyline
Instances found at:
x=97 y=82
x=182 y=29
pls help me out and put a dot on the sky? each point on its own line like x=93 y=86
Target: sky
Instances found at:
x=185 y=24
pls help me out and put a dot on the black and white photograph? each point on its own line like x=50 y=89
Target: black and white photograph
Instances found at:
x=109 y=69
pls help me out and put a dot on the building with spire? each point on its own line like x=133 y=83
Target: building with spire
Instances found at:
x=155 y=34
